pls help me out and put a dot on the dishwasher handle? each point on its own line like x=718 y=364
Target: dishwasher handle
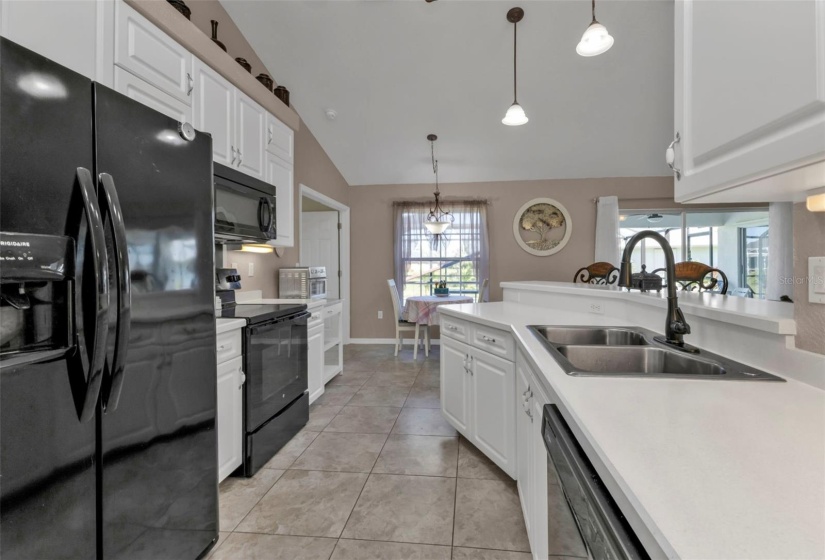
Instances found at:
x=603 y=527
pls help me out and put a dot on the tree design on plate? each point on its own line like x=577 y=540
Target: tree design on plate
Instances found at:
x=540 y=219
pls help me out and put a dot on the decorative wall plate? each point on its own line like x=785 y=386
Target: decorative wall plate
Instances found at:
x=542 y=227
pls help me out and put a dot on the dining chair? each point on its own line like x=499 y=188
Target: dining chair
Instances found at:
x=597 y=273
x=482 y=289
x=694 y=276
x=402 y=326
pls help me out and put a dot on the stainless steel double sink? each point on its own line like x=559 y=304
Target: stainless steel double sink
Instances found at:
x=633 y=352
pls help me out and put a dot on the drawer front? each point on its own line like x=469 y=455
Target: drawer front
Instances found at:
x=495 y=341
x=455 y=329
x=229 y=345
x=331 y=310
x=316 y=319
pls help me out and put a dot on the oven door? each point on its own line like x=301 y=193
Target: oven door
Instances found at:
x=276 y=367
x=603 y=529
x=243 y=212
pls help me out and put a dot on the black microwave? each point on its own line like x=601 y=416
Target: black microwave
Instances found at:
x=244 y=207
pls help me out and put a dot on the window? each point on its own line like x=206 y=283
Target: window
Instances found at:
x=734 y=241
x=460 y=258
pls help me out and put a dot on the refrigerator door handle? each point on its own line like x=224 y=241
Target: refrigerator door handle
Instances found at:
x=113 y=384
x=87 y=389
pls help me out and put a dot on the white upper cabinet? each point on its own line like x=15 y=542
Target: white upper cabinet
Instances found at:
x=148 y=52
x=214 y=108
x=249 y=133
x=66 y=32
x=138 y=89
x=280 y=139
x=750 y=99
x=280 y=174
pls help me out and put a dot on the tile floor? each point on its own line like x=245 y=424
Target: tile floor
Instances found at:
x=376 y=474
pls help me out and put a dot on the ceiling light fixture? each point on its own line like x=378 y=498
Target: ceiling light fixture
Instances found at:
x=515 y=114
x=596 y=40
x=654 y=218
x=438 y=220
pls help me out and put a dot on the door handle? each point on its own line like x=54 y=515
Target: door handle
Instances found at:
x=191 y=84
x=240 y=157
x=84 y=379
x=670 y=156
x=113 y=383
x=269 y=130
x=264 y=208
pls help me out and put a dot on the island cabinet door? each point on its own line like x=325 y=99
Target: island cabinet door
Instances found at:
x=493 y=418
x=524 y=444
x=455 y=375
x=230 y=440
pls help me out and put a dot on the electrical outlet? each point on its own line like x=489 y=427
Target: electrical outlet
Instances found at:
x=596 y=308
x=380 y=314
x=251 y=269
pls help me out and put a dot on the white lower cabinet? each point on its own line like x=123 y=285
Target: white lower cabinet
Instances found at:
x=230 y=415
x=477 y=399
x=315 y=355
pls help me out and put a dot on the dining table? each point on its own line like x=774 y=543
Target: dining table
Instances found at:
x=424 y=309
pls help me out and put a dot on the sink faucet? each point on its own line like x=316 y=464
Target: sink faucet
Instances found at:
x=675 y=325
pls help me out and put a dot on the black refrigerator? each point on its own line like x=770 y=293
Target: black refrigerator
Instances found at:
x=107 y=347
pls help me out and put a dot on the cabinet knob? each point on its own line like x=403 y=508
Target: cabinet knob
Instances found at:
x=670 y=157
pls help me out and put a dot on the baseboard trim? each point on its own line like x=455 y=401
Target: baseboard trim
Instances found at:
x=407 y=341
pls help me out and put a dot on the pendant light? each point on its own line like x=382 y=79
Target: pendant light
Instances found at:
x=596 y=40
x=515 y=114
x=438 y=220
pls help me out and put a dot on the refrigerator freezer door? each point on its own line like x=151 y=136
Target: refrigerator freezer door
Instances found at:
x=47 y=460
x=158 y=447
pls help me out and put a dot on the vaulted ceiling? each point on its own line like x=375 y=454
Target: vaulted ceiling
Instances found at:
x=396 y=70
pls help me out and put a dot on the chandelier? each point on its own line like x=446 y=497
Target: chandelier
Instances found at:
x=438 y=220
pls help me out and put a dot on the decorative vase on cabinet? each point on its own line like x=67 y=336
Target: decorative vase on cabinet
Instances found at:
x=215 y=35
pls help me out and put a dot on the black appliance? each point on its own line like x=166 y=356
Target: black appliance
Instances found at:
x=107 y=357
x=276 y=395
x=603 y=530
x=244 y=207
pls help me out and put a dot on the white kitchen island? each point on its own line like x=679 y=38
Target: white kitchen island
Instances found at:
x=701 y=468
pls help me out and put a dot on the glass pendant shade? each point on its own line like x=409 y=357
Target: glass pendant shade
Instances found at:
x=437 y=228
x=595 y=41
x=515 y=116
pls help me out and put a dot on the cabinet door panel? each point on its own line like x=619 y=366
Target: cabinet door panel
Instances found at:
x=148 y=52
x=315 y=360
x=144 y=92
x=65 y=32
x=230 y=375
x=454 y=384
x=524 y=444
x=249 y=135
x=493 y=405
x=213 y=108
x=280 y=139
x=750 y=94
x=280 y=174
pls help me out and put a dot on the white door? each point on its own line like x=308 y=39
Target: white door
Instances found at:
x=319 y=246
x=524 y=442
x=749 y=95
x=249 y=135
x=493 y=402
x=230 y=436
x=65 y=32
x=142 y=91
x=148 y=52
x=280 y=139
x=455 y=404
x=280 y=174
x=315 y=357
x=214 y=108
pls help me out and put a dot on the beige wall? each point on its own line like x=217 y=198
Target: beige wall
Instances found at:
x=313 y=167
x=372 y=234
x=809 y=241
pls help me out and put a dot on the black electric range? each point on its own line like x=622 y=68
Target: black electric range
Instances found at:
x=257 y=313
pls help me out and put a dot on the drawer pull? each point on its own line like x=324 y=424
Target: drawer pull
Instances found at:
x=452 y=327
x=221 y=347
x=486 y=338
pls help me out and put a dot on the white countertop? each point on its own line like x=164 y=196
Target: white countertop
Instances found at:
x=770 y=316
x=714 y=469
x=256 y=296
x=225 y=325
